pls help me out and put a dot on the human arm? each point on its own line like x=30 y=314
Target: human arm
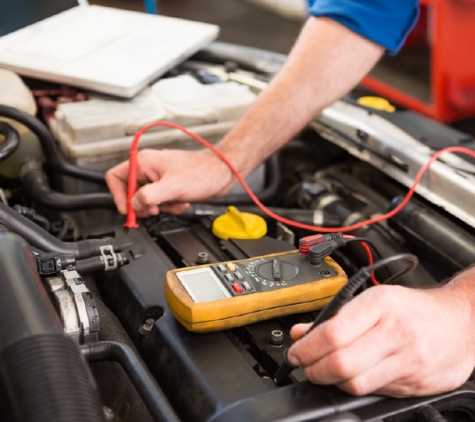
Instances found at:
x=326 y=62
x=394 y=340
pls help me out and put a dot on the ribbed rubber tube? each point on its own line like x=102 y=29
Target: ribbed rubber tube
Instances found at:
x=47 y=381
x=42 y=370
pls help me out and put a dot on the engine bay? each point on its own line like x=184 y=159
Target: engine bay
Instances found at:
x=104 y=289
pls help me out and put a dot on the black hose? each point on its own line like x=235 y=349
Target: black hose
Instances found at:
x=53 y=155
x=439 y=239
x=149 y=391
x=99 y=264
x=43 y=372
x=429 y=413
x=36 y=184
x=44 y=241
x=32 y=215
x=11 y=142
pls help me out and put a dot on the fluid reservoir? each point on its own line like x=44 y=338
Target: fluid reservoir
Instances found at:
x=14 y=93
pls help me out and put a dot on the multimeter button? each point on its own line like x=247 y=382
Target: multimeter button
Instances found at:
x=231 y=266
x=239 y=276
x=246 y=286
x=237 y=287
x=229 y=277
x=222 y=268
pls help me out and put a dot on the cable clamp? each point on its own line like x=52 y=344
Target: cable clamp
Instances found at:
x=109 y=258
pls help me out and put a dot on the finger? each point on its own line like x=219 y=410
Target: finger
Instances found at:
x=381 y=378
x=357 y=358
x=355 y=318
x=154 y=194
x=148 y=212
x=175 y=207
x=415 y=385
x=172 y=208
x=120 y=171
x=298 y=330
x=118 y=187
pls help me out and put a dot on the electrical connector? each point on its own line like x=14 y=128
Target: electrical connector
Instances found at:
x=317 y=253
x=49 y=264
x=306 y=242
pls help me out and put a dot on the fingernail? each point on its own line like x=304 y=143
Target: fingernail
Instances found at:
x=293 y=360
x=136 y=205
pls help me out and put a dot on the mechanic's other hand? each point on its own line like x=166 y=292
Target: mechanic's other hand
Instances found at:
x=392 y=340
x=167 y=180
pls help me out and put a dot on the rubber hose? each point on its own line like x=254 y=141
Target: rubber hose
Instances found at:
x=53 y=155
x=429 y=413
x=31 y=215
x=44 y=375
x=36 y=184
x=146 y=386
x=444 y=242
x=44 y=241
x=11 y=142
x=98 y=264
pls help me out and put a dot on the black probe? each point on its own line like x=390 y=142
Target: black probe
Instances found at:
x=345 y=294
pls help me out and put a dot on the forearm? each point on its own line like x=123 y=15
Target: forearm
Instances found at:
x=326 y=62
x=462 y=288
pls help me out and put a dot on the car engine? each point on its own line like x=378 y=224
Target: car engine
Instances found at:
x=86 y=330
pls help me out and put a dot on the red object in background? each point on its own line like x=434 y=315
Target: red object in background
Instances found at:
x=449 y=29
x=47 y=100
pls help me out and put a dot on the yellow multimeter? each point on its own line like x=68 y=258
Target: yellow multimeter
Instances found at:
x=231 y=294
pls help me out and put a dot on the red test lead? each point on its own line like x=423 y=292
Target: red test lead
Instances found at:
x=132 y=184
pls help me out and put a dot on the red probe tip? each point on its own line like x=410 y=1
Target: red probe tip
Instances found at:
x=131 y=221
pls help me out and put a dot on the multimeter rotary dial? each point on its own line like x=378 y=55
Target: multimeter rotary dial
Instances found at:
x=277 y=270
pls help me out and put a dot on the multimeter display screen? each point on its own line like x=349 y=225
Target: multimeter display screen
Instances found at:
x=202 y=285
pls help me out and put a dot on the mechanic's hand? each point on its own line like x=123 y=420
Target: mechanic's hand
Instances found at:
x=169 y=179
x=392 y=340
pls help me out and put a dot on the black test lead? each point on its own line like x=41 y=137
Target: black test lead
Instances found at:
x=345 y=294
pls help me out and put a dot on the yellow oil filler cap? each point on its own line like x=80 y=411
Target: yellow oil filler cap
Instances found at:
x=239 y=225
x=378 y=103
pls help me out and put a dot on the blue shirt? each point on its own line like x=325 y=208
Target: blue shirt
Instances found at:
x=386 y=22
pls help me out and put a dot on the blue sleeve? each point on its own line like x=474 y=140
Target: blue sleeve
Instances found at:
x=386 y=22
